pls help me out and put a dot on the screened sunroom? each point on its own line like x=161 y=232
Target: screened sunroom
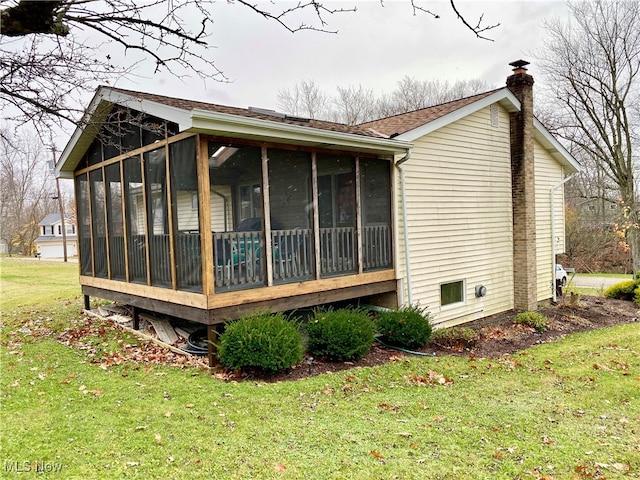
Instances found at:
x=208 y=214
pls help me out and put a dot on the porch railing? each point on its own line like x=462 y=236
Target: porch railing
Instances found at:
x=188 y=261
x=137 y=258
x=338 y=250
x=160 y=260
x=376 y=244
x=238 y=258
x=116 y=257
x=293 y=257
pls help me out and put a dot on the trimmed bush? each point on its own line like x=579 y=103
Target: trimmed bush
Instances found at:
x=344 y=334
x=636 y=295
x=622 y=290
x=532 y=319
x=269 y=342
x=456 y=337
x=407 y=327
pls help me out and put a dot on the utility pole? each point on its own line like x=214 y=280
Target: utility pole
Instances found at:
x=61 y=207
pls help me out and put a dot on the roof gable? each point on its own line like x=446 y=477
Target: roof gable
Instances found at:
x=50 y=219
x=555 y=148
x=412 y=125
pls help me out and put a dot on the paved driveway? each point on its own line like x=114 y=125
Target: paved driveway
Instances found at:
x=595 y=282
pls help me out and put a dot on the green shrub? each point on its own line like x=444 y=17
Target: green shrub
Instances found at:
x=636 y=295
x=622 y=290
x=532 y=319
x=344 y=334
x=408 y=327
x=269 y=342
x=456 y=337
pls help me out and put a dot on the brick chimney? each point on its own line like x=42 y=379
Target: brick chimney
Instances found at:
x=523 y=190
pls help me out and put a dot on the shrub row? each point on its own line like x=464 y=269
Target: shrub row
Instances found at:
x=275 y=342
x=625 y=290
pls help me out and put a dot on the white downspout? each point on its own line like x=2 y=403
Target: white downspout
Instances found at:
x=405 y=227
x=553 y=233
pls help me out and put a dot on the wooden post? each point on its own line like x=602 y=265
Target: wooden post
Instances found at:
x=212 y=339
x=135 y=312
x=316 y=215
x=266 y=209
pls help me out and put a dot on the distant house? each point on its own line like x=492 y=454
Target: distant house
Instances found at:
x=208 y=212
x=600 y=212
x=49 y=244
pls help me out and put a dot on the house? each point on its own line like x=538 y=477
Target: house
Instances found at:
x=50 y=243
x=207 y=212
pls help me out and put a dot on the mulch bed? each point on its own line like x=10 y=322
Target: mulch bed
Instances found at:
x=499 y=335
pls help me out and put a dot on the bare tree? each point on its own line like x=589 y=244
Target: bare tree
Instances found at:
x=412 y=94
x=46 y=66
x=304 y=99
x=26 y=190
x=592 y=65
x=354 y=105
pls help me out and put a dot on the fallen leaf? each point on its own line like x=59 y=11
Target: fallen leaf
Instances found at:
x=548 y=441
x=279 y=467
x=189 y=405
x=168 y=414
x=158 y=439
x=622 y=467
x=377 y=454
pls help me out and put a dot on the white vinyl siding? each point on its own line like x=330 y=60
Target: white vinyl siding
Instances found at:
x=458 y=188
x=187 y=215
x=548 y=174
x=218 y=216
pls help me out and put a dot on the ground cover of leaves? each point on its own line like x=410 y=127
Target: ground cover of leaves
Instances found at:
x=499 y=336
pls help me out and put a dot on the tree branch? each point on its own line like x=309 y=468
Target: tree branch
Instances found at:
x=479 y=28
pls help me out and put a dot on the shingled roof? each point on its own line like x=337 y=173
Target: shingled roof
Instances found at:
x=404 y=122
x=257 y=113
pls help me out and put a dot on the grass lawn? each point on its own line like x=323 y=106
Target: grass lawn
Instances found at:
x=621 y=276
x=567 y=410
x=29 y=281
